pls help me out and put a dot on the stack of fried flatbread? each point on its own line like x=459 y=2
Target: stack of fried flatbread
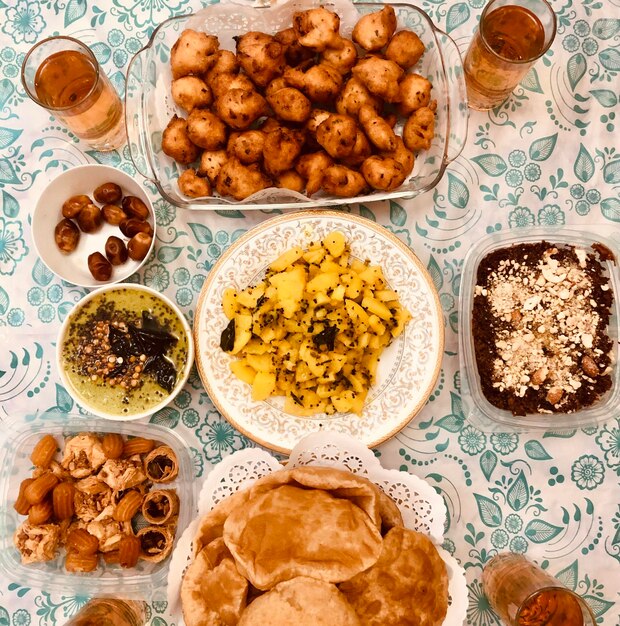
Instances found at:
x=312 y=546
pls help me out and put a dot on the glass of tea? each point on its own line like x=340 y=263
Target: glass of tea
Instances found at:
x=62 y=75
x=523 y=594
x=511 y=36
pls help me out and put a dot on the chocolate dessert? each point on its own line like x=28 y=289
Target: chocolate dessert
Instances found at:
x=539 y=324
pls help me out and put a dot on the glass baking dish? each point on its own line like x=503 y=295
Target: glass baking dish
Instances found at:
x=149 y=104
x=478 y=410
x=141 y=581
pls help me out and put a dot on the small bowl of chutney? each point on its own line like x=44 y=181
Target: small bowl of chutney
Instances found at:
x=124 y=352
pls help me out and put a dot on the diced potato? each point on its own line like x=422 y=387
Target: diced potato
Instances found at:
x=264 y=383
x=356 y=312
x=260 y=362
x=287 y=258
x=329 y=267
x=373 y=275
x=290 y=285
x=338 y=293
x=402 y=317
x=243 y=323
x=323 y=282
x=243 y=371
x=335 y=243
x=386 y=295
x=314 y=256
x=249 y=297
x=378 y=308
x=230 y=303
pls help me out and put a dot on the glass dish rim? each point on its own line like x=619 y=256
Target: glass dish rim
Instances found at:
x=220 y=205
x=477 y=409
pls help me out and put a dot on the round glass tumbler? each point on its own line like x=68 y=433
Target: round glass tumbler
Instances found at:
x=511 y=37
x=523 y=594
x=62 y=75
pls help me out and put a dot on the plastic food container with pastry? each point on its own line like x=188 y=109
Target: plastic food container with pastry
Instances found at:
x=476 y=407
x=149 y=104
x=147 y=579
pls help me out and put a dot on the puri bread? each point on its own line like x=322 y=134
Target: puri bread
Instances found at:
x=300 y=602
x=213 y=592
x=288 y=532
x=408 y=585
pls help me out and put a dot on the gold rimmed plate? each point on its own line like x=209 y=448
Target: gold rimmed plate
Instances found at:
x=409 y=366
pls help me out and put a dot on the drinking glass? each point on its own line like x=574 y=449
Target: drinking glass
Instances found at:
x=62 y=75
x=511 y=37
x=523 y=594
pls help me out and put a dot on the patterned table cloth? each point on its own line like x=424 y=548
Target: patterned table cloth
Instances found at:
x=549 y=156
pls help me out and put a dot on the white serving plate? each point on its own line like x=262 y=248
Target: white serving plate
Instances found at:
x=409 y=366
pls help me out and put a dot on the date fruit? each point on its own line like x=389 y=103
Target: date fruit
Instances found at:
x=108 y=193
x=133 y=226
x=113 y=214
x=138 y=246
x=66 y=235
x=89 y=218
x=134 y=207
x=115 y=250
x=99 y=266
x=74 y=205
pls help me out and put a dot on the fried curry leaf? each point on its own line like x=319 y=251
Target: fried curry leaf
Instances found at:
x=227 y=338
x=326 y=337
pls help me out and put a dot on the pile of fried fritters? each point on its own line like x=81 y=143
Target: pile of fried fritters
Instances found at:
x=305 y=109
x=312 y=546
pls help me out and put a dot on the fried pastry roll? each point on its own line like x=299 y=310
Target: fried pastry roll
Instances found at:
x=160 y=506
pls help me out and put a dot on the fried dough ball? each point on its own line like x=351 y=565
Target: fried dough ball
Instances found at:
x=317 y=29
x=290 y=105
x=312 y=167
x=294 y=52
x=361 y=151
x=353 y=96
x=317 y=116
x=240 y=108
x=383 y=173
x=193 y=53
x=191 y=92
x=261 y=57
x=402 y=155
x=280 y=151
x=343 y=59
x=415 y=93
x=224 y=82
x=321 y=83
x=343 y=182
x=380 y=77
x=290 y=180
x=337 y=135
x=373 y=31
x=240 y=181
x=275 y=85
x=176 y=143
x=419 y=129
x=376 y=128
x=211 y=162
x=271 y=123
x=405 y=48
x=225 y=63
x=247 y=146
x=193 y=185
x=206 y=129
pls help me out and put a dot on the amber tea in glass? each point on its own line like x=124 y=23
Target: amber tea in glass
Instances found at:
x=523 y=594
x=511 y=36
x=62 y=75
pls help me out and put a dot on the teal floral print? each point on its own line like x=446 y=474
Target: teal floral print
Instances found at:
x=219 y=438
x=520 y=217
x=608 y=440
x=587 y=472
x=499 y=538
x=472 y=441
x=12 y=246
x=504 y=443
x=21 y=617
x=551 y=215
x=518 y=545
x=24 y=21
x=479 y=611
x=157 y=277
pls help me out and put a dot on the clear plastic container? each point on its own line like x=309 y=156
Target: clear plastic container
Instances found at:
x=478 y=410
x=146 y=580
x=149 y=104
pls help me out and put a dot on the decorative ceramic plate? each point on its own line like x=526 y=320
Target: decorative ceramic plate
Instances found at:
x=409 y=366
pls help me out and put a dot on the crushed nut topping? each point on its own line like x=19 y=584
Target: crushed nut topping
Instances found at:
x=539 y=323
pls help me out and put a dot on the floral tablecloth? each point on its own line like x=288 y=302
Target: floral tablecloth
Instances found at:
x=549 y=156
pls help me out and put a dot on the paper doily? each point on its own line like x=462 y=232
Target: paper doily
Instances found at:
x=420 y=505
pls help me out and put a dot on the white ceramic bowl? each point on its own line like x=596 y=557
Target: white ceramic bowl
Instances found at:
x=73 y=267
x=183 y=366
